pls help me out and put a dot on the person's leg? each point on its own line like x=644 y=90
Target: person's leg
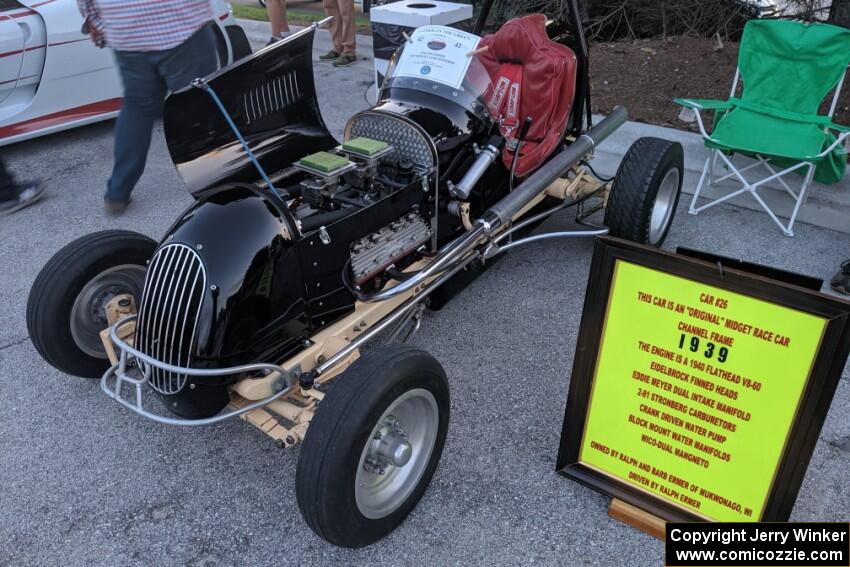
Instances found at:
x=144 y=92
x=195 y=57
x=335 y=27
x=276 y=10
x=840 y=282
x=7 y=183
x=15 y=196
x=348 y=33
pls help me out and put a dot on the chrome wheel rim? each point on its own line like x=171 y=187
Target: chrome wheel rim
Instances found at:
x=396 y=453
x=88 y=314
x=664 y=206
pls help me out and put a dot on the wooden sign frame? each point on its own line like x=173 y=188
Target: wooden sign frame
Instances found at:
x=814 y=403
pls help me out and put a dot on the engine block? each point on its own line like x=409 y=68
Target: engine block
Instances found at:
x=376 y=252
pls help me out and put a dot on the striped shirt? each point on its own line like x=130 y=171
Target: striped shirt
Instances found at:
x=146 y=25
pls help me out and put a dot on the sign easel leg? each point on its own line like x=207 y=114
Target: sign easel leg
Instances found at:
x=637 y=518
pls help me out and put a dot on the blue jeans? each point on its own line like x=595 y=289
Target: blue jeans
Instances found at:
x=147 y=77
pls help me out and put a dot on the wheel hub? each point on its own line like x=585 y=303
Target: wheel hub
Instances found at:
x=664 y=206
x=389 y=447
x=396 y=453
x=88 y=314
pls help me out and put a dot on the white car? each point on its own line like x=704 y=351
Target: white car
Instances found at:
x=53 y=78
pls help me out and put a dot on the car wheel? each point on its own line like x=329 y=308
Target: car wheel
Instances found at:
x=646 y=191
x=220 y=47
x=239 y=44
x=373 y=446
x=65 y=309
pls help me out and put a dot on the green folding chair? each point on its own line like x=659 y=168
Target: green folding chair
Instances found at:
x=788 y=68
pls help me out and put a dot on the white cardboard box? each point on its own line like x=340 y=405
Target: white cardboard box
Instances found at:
x=418 y=13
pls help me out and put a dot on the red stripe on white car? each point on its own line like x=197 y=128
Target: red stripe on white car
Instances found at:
x=22 y=14
x=67 y=42
x=33 y=48
x=16 y=79
x=29 y=12
x=61 y=117
x=17 y=51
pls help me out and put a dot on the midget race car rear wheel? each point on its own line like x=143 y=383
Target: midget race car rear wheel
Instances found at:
x=373 y=446
x=65 y=310
x=646 y=191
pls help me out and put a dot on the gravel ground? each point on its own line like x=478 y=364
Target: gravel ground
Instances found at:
x=87 y=483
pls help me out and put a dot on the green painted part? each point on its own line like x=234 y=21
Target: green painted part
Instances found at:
x=787 y=69
x=364 y=146
x=325 y=162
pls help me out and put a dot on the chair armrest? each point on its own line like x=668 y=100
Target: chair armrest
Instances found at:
x=845 y=133
x=698 y=104
x=838 y=127
x=703 y=103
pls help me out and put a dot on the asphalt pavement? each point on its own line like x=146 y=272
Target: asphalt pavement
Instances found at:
x=84 y=482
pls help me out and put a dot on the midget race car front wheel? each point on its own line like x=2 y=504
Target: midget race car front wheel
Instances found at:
x=66 y=306
x=373 y=446
x=646 y=191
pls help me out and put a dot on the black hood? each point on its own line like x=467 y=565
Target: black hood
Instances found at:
x=271 y=97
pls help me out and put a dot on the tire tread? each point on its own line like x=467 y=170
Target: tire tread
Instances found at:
x=61 y=268
x=628 y=209
x=325 y=437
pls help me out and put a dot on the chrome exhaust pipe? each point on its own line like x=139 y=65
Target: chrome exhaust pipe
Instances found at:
x=502 y=212
x=462 y=251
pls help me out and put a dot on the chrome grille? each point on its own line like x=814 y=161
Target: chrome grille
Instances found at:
x=407 y=141
x=273 y=95
x=168 y=314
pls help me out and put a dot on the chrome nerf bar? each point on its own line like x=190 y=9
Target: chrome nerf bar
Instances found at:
x=122 y=373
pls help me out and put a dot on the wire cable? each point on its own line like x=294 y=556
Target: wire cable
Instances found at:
x=201 y=84
x=596 y=175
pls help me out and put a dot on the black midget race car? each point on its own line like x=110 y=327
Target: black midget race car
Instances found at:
x=298 y=250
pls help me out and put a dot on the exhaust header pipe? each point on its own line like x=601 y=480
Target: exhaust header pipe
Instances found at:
x=537 y=182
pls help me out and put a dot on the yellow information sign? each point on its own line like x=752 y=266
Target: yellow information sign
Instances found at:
x=695 y=390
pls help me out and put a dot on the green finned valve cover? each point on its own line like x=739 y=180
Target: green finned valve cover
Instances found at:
x=364 y=146
x=324 y=162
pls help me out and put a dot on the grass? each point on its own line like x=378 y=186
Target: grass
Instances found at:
x=297 y=17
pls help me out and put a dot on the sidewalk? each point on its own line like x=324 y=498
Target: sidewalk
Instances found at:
x=826 y=206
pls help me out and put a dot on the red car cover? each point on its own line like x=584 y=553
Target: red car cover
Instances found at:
x=532 y=76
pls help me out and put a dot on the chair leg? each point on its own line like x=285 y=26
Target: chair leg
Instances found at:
x=801 y=198
x=713 y=168
x=692 y=209
x=786 y=230
x=707 y=177
x=745 y=187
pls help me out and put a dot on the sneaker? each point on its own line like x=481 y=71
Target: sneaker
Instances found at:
x=276 y=38
x=26 y=194
x=115 y=208
x=345 y=60
x=840 y=282
x=329 y=56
